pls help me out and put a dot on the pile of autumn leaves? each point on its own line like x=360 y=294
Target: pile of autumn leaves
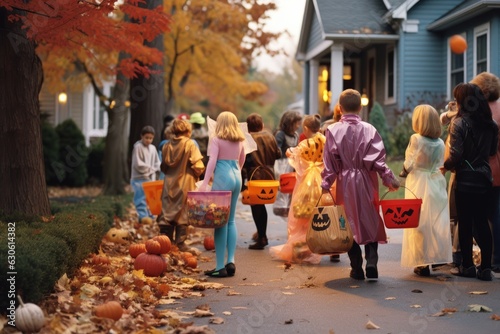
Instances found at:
x=125 y=287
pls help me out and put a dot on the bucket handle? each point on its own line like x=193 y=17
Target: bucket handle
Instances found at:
x=400 y=187
x=322 y=193
x=265 y=168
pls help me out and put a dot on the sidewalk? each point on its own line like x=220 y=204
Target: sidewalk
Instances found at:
x=266 y=297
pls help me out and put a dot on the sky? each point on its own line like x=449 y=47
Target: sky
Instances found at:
x=288 y=16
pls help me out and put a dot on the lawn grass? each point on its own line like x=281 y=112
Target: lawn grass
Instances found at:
x=396 y=165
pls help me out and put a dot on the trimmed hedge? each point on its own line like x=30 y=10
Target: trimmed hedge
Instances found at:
x=44 y=251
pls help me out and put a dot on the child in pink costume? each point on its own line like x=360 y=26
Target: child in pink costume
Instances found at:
x=226 y=158
x=354 y=155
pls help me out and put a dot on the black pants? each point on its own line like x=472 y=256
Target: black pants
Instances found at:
x=356 y=257
x=473 y=210
x=259 y=214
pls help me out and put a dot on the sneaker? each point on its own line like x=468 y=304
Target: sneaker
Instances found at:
x=461 y=271
x=357 y=274
x=496 y=269
x=485 y=274
x=371 y=273
x=422 y=271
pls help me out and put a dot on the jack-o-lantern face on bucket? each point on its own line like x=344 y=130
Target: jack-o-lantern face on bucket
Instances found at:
x=320 y=221
x=245 y=197
x=399 y=217
x=266 y=194
x=262 y=191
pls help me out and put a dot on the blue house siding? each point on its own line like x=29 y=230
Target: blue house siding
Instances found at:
x=421 y=57
x=316 y=35
x=495 y=44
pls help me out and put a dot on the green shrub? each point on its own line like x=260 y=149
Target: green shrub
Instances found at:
x=73 y=154
x=46 y=250
x=95 y=161
x=50 y=141
x=400 y=135
x=377 y=119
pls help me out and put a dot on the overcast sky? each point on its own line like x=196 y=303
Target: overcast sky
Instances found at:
x=288 y=16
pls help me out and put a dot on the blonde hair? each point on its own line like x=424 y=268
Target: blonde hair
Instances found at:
x=425 y=121
x=181 y=127
x=228 y=128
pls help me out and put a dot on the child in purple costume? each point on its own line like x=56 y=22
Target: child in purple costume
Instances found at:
x=354 y=154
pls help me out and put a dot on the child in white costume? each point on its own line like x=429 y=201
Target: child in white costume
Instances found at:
x=430 y=242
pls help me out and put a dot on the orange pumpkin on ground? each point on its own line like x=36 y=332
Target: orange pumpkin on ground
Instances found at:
x=192 y=262
x=152 y=265
x=208 y=242
x=136 y=249
x=165 y=243
x=153 y=247
x=100 y=259
x=111 y=310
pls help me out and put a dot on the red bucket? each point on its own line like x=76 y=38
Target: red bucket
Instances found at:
x=401 y=213
x=287 y=182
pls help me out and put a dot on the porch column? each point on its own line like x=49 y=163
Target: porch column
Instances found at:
x=336 y=72
x=313 y=83
x=306 y=88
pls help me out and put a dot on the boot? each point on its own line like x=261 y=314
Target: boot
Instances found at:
x=167 y=230
x=180 y=238
x=260 y=244
x=356 y=259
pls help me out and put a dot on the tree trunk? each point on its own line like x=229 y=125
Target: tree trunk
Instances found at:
x=22 y=173
x=116 y=166
x=147 y=95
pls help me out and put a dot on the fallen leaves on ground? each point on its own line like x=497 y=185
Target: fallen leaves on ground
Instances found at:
x=444 y=312
x=110 y=276
x=479 y=308
x=371 y=325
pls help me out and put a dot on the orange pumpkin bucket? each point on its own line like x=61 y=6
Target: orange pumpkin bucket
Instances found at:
x=153 y=191
x=287 y=182
x=401 y=213
x=245 y=197
x=262 y=191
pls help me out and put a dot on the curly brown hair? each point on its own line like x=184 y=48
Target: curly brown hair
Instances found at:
x=489 y=84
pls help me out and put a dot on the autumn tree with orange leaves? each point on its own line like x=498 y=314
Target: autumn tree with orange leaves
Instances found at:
x=209 y=52
x=29 y=28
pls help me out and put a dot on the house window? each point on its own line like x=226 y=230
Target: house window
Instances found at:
x=390 y=77
x=99 y=115
x=481 y=48
x=457 y=70
x=95 y=115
